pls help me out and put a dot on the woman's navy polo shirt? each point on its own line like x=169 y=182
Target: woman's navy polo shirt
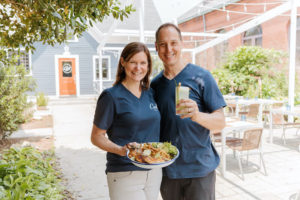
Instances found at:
x=197 y=155
x=126 y=118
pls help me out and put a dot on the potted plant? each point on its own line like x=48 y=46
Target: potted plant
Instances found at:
x=41 y=101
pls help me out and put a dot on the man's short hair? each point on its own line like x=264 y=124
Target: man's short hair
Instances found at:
x=165 y=25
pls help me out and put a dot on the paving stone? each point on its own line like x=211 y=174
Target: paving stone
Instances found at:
x=283 y=180
x=84 y=165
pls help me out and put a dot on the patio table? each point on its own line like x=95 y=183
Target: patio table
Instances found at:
x=261 y=102
x=282 y=111
x=233 y=126
x=232 y=97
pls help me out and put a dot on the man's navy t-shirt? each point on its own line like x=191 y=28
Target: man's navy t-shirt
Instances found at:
x=127 y=119
x=197 y=154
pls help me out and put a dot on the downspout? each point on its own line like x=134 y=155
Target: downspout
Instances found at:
x=102 y=44
x=142 y=20
x=204 y=30
x=99 y=51
x=293 y=40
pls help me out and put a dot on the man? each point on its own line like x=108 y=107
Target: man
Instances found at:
x=192 y=176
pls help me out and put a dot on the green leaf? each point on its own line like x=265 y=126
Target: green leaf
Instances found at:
x=43 y=186
x=242 y=69
x=39 y=18
x=33 y=184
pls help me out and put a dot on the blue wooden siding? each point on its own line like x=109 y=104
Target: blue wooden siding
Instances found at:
x=43 y=64
x=43 y=67
x=85 y=49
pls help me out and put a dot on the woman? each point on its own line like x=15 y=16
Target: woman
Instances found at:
x=127 y=113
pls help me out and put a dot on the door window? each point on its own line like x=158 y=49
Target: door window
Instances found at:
x=67 y=69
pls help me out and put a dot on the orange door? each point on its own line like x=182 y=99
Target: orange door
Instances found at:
x=67 y=76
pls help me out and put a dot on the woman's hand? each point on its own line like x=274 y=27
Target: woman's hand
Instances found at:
x=123 y=150
x=133 y=145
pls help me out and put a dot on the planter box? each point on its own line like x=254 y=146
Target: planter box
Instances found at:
x=42 y=108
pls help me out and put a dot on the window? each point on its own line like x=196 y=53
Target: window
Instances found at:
x=253 y=37
x=67 y=69
x=220 y=49
x=24 y=58
x=105 y=68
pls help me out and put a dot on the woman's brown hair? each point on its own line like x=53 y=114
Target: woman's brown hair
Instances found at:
x=128 y=52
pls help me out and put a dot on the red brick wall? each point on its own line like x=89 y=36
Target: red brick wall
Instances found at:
x=275 y=31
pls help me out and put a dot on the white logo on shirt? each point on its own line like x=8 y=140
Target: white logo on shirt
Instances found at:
x=199 y=80
x=153 y=106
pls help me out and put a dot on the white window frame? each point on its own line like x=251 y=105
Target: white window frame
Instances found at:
x=30 y=62
x=29 y=58
x=253 y=38
x=109 y=68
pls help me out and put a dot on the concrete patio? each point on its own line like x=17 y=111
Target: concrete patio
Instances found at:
x=282 y=163
x=83 y=164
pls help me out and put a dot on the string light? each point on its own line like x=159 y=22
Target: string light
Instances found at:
x=223 y=8
x=192 y=41
x=232 y=11
x=239 y=12
x=251 y=4
x=196 y=41
x=230 y=25
x=227 y=16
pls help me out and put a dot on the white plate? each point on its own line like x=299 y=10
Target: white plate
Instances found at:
x=154 y=165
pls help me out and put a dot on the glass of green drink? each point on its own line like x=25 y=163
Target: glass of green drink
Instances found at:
x=181 y=92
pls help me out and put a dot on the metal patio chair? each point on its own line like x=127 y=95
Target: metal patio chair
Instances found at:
x=266 y=111
x=230 y=109
x=250 y=112
x=251 y=140
x=280 y=122
x=216 y=137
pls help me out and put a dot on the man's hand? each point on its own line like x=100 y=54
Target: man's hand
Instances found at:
x=188 y=108
x=211 y=121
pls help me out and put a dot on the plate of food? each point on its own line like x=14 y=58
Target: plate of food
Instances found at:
x=152 y=155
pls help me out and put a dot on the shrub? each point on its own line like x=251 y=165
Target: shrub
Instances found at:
x=13 y=98
x=41 y=100
x=157 y=65
x=28 y=112
x=26 y=173
x=250 y=71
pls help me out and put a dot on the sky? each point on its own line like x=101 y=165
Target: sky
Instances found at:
x=170 y=9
